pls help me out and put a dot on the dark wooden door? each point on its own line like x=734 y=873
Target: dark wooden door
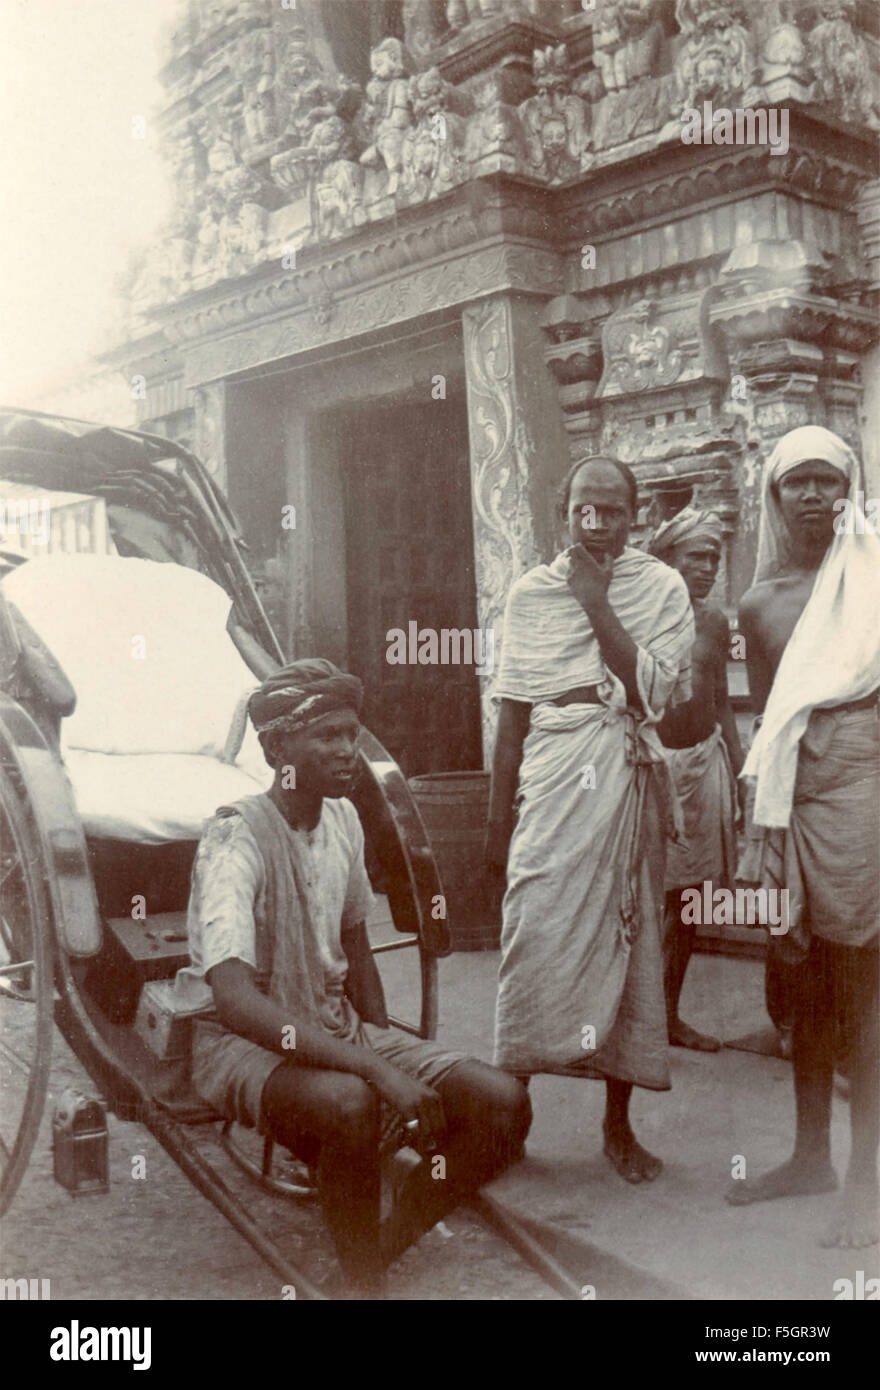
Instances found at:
x=410 y=558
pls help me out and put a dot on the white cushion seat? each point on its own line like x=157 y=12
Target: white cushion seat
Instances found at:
x=158 y=681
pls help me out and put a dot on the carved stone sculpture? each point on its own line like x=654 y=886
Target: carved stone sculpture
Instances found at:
x=386 y=112
x=337 y=177
x=717 y=59
x=207 y=246
x=556 y=122
x=312 y=106
x=494 y=135
x=783 y=51
x=433 y=148
x=255 y=65
x=639 y=351
x=627 y=41
x=839 y=60
x=228 y=181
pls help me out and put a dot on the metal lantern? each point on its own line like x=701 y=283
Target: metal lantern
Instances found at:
x=79 y=1144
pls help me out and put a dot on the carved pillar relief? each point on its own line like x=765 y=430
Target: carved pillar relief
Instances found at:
x=794 y=342
x=298 y=553
x=793 y=349
x=210 y=430
x=518 y=452
x=868 y=213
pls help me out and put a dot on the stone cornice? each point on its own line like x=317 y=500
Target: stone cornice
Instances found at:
x=826 y=165
x=495 y=206
x=601 y=204
x=299 y=328
x=772 y=314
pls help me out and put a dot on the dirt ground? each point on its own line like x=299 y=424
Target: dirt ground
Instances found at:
x=156 y=1238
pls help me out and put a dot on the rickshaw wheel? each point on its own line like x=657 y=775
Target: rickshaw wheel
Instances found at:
x=26 y=986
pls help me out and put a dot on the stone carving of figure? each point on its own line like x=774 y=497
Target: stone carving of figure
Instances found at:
x=337 y=177
x=495 y=129
x=627 y=41
x=717 y=59
x=556 y=122
x=639 y=352
x=386 y=111
x=228 y=181
x=251 y=231
x=207 y=243
x=783 y=51
x=839 y=60
x=309 y=95
x=432 y=148
x=257 y=69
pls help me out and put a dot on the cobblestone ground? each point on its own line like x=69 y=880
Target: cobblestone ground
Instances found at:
x=157 y=1238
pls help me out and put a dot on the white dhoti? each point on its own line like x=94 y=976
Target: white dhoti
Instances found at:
x=704 y=784
x=581 y=977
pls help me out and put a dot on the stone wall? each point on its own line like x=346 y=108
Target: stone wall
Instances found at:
x=627 y=275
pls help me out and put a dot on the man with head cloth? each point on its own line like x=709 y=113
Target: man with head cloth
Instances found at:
x=704 y=756
x=810 y=621
x=299 y=1044
x=596 y=645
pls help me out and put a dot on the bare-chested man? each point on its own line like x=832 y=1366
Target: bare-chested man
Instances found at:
x=813 y=651
x=705 y=756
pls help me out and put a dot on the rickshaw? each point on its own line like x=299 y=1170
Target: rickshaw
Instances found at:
x=79 y=835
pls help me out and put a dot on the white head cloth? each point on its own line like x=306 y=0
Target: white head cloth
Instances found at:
x=833 y=654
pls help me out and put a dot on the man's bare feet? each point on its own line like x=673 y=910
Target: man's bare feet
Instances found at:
x=796 y=1178
x=632 y=1162
x=857 y=1219
x=682 y=1035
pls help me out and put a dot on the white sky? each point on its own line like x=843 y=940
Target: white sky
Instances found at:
x=79 y=193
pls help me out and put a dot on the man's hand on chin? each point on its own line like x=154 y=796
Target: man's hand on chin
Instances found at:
x=589 y=574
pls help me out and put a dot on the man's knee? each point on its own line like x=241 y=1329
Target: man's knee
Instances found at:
x=352 y=1110
x=489 y=1101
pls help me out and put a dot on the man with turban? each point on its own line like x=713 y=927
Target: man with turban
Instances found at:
x=812 y=633
x=704 y=757
x=299 y=1044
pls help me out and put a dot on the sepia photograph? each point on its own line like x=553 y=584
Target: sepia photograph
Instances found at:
x=440 y=663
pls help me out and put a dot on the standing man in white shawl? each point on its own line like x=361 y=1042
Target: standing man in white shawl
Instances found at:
x=595 y=646
x=812 y=635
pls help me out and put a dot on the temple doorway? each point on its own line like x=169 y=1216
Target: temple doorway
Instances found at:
x=410 y=560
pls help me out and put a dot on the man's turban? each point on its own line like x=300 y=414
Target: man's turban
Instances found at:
x=302 y=693
x=691 y=523
x=809 y=442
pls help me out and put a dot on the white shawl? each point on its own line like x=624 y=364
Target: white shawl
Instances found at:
x=833 y=654
x=549 y=645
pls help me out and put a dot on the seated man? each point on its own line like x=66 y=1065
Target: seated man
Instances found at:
x=300 y=1045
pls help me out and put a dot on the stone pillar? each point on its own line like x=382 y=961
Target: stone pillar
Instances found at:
x=209 y=444
x=868 y=214
x=518 y=456
x=313 y=549
x=299 y=549
x=793 y=352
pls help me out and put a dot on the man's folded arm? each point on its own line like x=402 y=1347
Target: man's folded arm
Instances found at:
x=364 y=985
x=243 y=1009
